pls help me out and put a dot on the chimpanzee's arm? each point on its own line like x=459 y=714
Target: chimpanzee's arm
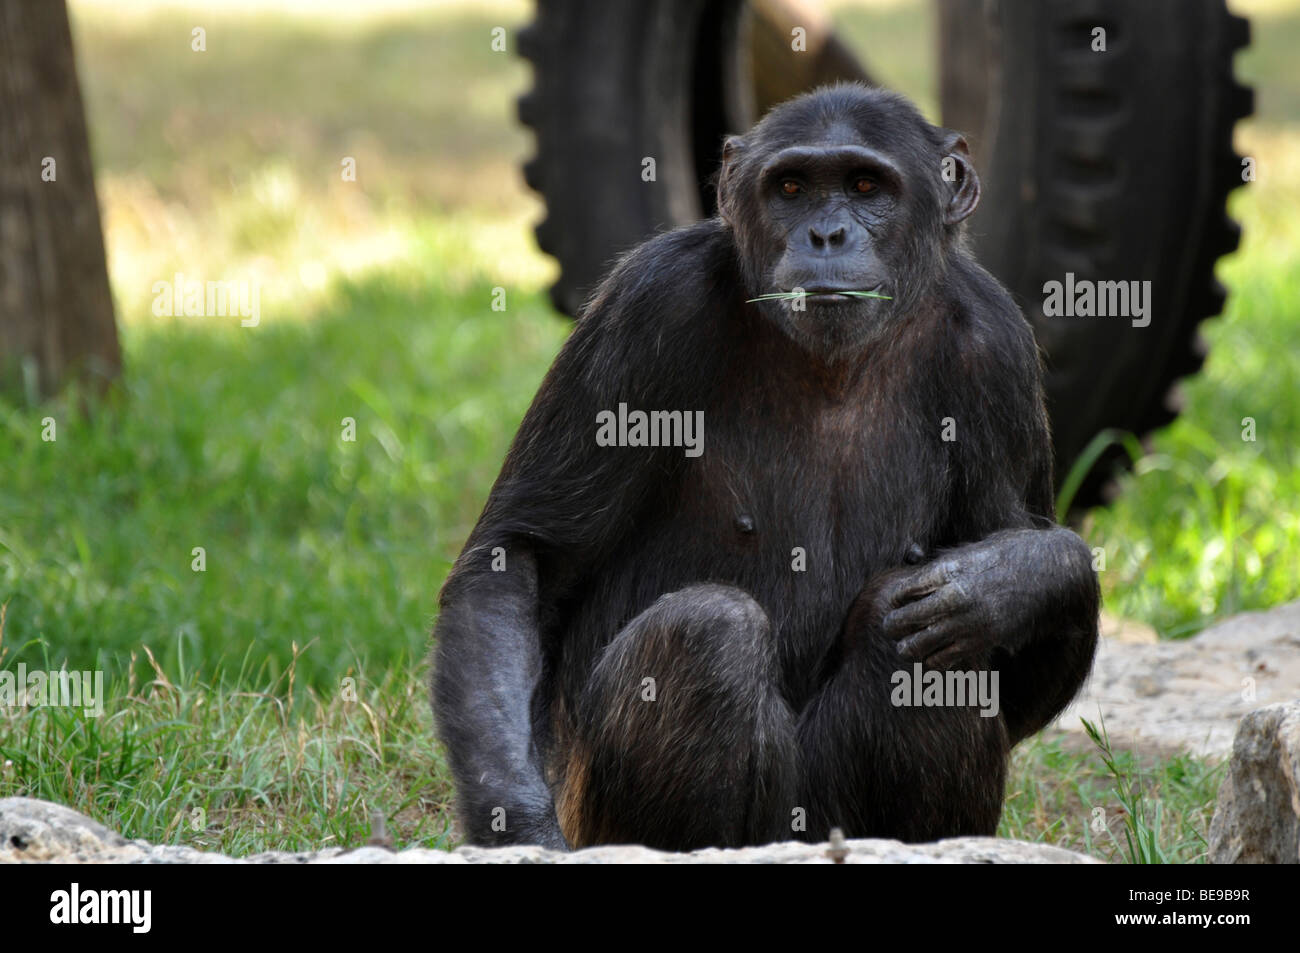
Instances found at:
x=488 y=662
x=1022 y=602
x=559 y=508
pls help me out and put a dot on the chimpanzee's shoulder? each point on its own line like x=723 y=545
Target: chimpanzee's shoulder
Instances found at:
x=653 y=323
x=995 y=331
x=667 y=276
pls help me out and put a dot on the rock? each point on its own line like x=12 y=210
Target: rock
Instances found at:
x=1257 y=820
x=33 y=831
x=41 y=831
x=1188 y=695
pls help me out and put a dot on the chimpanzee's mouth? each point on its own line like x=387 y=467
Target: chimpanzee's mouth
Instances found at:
x=824 y=295
x=831 y=295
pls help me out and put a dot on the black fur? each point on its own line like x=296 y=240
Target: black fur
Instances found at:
x=822 y=431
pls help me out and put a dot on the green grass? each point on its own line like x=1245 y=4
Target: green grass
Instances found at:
x=1120 y=806
x=1209 y=524
x=230 y=439
x=323 y=562
x=324 y=557
x=183 y=761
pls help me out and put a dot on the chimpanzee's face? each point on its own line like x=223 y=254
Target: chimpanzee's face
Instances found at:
x=842 y=217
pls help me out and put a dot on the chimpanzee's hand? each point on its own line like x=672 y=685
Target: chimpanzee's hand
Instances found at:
x=953 y=611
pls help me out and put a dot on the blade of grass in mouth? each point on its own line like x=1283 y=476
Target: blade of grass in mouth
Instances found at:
x=788 y=295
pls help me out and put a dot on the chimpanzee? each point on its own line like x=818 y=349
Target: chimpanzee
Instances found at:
x=790 y=459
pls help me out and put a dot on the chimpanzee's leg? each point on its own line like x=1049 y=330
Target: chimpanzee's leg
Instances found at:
x=876 y=769
x=684 y=740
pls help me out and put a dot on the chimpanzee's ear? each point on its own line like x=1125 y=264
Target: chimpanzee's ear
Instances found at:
x=732 y=149
x=960 y=181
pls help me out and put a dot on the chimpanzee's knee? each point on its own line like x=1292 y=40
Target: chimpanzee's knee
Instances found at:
x=684 y=740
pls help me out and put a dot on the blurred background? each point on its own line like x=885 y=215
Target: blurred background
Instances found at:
x=324 y=556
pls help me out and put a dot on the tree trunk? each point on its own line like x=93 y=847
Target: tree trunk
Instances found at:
x=56 y=311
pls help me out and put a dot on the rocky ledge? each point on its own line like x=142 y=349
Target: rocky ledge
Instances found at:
x=33 y=831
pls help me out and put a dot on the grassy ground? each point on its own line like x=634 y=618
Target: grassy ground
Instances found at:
x=276 y=698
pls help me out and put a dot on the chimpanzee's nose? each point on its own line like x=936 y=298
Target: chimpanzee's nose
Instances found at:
x=826 y=236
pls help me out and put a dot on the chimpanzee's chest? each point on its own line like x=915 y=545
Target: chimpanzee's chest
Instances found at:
x=801 y=514
x=809 y=509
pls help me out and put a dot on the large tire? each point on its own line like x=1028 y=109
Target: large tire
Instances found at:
x=1112 y=165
